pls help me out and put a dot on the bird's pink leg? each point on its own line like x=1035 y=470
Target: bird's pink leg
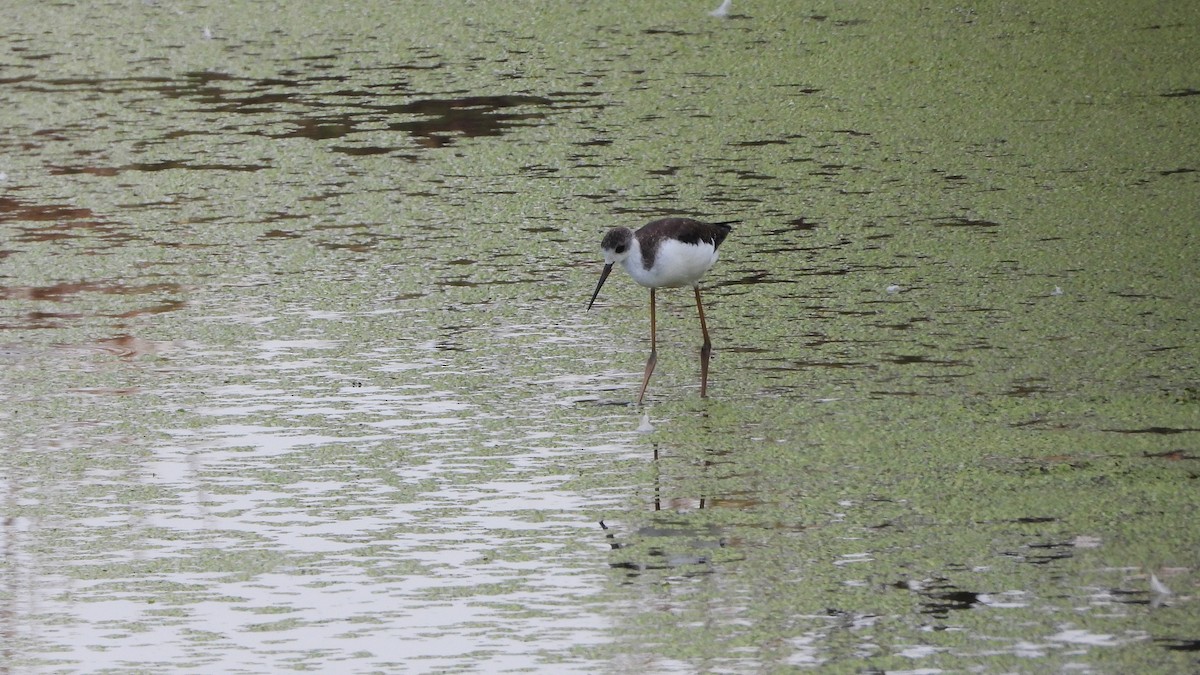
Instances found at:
x=653 y=351
x=705 y=349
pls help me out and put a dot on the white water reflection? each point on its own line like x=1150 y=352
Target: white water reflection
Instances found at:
x=341 y=618
x=298 y=516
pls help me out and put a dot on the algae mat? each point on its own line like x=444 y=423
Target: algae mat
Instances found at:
x=296 y=372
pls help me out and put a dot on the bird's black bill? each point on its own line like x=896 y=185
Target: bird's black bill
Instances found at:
x=603 y=276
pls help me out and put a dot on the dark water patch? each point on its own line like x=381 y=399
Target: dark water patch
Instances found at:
x=1138 y=296
x=966 y=309
x=58 y=320
x=168 y=203
x=1171 y=455
x=15 y=80
x=217 y=92
x=41 y=320
x=802 y=364
x=355 y=237
x=1173 y=172
x=831 y=169
x=742 y=174
x=327 y=195
x=803 y=224
x=1157 y=350
x=799 y=88
x=609 y=197
x=1180 y=93
x=313 y=113
x=365 y=151
x=280 y=234
x=1042 y=554
x=941 y=589
x=471 y=116
x=921 y=359
x=1179 y=644
x=667 y=31
x=88 y=170
x=748 y=279
x=798 y=160
x=742 y=349
x=1157 y=431
x=939 y=604
x=760 y=143
x=539 y=171
x=160 y=308
x=978 y=344
x=319 y=129
x=1030 y=386
x=433 y=62
x=1128 y=597
x=907 y=324
x=165 y=165
x=962 y=221
x=117 y=85
x=121 y=346
x=65 y=291
x=17 y=210
x=851 y=132
x=76 y=292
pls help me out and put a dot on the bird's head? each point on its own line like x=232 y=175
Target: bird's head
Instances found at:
x=616 y=245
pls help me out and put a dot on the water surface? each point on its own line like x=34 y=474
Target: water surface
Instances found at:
x=296 y=372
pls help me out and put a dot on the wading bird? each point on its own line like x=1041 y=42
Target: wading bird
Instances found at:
x=666 y=253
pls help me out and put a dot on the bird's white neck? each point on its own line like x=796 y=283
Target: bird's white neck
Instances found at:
x=634 y=261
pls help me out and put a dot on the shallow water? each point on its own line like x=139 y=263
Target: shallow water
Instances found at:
x=296 y=373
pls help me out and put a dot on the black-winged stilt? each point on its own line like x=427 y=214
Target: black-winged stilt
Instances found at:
x=666 y=253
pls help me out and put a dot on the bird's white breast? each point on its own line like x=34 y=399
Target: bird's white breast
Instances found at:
x=676 y=264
